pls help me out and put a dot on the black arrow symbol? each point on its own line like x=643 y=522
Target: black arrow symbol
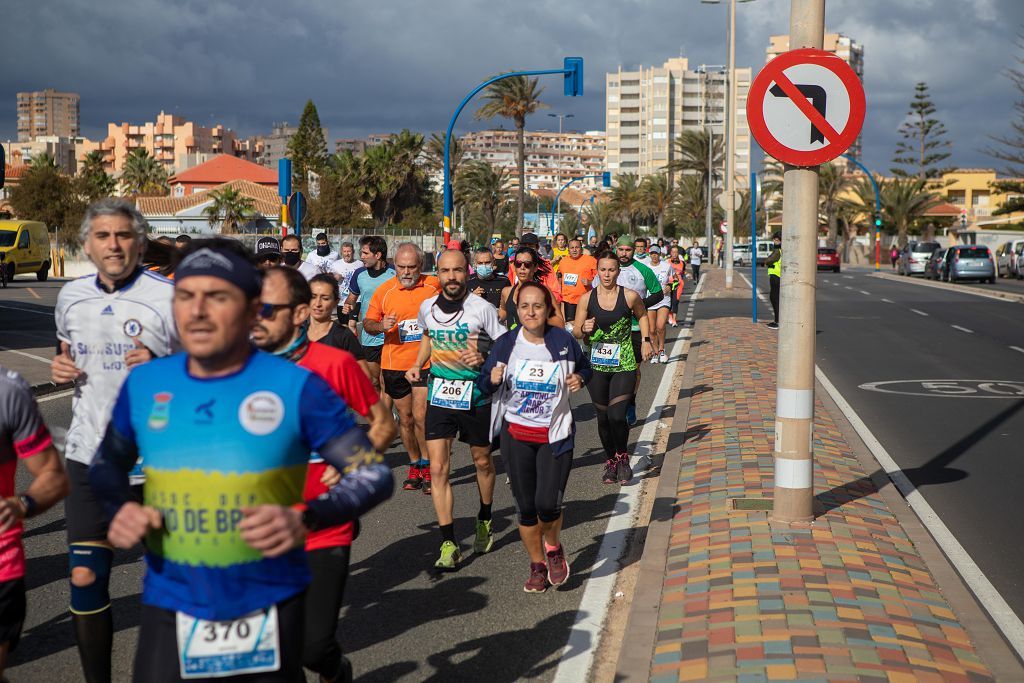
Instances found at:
x=816 y=94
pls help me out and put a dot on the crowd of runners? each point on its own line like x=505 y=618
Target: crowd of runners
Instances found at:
x=232 y=405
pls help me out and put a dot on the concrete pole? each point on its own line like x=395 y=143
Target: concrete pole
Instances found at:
x=708 y=230
x=730 y=162
x=794 y=411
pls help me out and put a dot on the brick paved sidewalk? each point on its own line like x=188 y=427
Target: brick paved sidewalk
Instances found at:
x=849 y=598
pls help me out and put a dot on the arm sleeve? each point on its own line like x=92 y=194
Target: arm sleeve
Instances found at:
x=60 y=318
x=353 y=282
x=117 y=454
x=329 y=429
x=773 y=257
x=21 y=418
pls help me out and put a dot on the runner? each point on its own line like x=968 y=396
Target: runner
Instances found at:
x=500 y=258
x=394 y=312
x=291 y=254
x=560 y=250
x=513 y=245
x=460 y=328
x=107 y=324
x=373 y=252
x=679 y=266
x=323 y=257
x=640 y=250
x=488 y=284
x=546 y=272
x=324 y=301
x=532 y=371
x=695 y=255
x=268 y=252
x=281 y=330
x=23 y=438
x=222 y=595
x=657 y=315
x=529 y=267
x=577 y=272
x=343 y=269
x=603 y=320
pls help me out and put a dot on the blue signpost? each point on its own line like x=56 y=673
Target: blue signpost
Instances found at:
x=753 y=242
x=284 y=190
x=606 y=181
x=572 y=72
x=297 y=210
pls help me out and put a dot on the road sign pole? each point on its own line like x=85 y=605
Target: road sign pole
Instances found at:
x=794 y=411
x=753 y=244
x=730 y=162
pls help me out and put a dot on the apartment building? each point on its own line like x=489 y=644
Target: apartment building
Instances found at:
x=48 y=113
x=844 y=47
x=551 y=159
x=267 y=150
x=647 y=109
x=67 y=153
x=172 y=140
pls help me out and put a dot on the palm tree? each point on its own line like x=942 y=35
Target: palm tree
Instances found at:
x=515 y=97
x=627 y=199
x=689 y=206
x=96 y=183
x=435 y=154
x=231 y=208
x=485 y=189
x=43 y=160
x=142 y=174
x=657 y=195
x=832 y=183
x=691 y=155
x=904 y=201
x=600 y=216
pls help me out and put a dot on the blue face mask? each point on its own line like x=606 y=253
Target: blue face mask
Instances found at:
x=485 y=270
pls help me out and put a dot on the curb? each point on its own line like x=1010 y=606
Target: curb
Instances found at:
x=634 y=662
x=988 y=294
x=50 y=388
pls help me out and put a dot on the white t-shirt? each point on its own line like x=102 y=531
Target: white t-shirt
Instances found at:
x=308 y=270
x=345 y=269
x=323 y=263
x=696 y=255
x=663 y=271
x=101 y=328
x=530 y=368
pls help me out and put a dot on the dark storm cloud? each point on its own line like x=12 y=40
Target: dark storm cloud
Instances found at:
x=384 y=65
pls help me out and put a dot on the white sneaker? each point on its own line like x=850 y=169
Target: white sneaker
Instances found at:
x=654 y=359
x=663 y=357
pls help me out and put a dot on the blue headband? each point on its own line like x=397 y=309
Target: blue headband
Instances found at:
x=222 y=264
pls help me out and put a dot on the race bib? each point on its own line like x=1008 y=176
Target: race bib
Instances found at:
x=455 y=394
x=219 y=649
x=605 y=355
x=536 y=375
x=409 y=331
x=570 y=279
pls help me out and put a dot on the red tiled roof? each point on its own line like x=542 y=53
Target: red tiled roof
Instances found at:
x=265 y=200
x=944 y=209
x=224 y=168
x=15 y=170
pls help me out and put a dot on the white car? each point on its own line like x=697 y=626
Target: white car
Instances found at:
x=741 y=255
x=1008 y=259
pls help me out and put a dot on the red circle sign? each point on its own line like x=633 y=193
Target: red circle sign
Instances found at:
x=813 y=120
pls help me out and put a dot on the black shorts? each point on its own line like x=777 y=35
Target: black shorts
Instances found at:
x=637 y=340
x=85 y=518
x=156 y=658
x=570 y=311
x=372 y=353
x=12 y=612
x=397 y=386
x=472 y=426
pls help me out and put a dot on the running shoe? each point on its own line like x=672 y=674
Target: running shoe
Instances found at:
x=484 y=538
x=425 y=477
x=664 y=357
x=773 y=326
x=623 y=470
x=450 y=557
x=631 y=414
x=611 y=469
x=558 y=566
x=654 y=359
x=538 y=581
x=415 y=480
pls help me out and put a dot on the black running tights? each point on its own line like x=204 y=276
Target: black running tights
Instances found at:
x=538 y=478
x=611 y=394
x=329 y=570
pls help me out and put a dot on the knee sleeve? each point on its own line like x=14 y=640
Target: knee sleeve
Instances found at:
x=96 y=596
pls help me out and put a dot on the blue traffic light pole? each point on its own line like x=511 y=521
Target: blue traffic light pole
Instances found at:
x=878 y=209
x=606 y=181
x=572 y=71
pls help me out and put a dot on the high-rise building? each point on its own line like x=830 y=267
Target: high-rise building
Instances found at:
x=274 y=147
x=647 y=109
x=849 y=50
x=551 y=158
x=49 y=113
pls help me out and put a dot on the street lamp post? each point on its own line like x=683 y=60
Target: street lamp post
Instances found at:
x=877 y=218
x=606 y=181
x=558 y=163
x=572 y=72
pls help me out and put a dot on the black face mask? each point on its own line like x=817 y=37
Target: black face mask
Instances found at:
x=291 y=258
x=323 y=251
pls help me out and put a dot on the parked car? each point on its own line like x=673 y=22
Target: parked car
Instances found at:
x=764 y=248
x=933 y=269
x=828 y=259
x=1007 y=258
x=26 y=248
x=1018 y=269
x=741 y=255
x=969 y=262
x=914 y=257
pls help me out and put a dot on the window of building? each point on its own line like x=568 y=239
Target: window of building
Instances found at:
x=958 y=197
x=179 y=190
x=660 y=121
x=630 y=84
x=630 y=164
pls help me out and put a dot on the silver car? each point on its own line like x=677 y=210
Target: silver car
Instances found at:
x=914 y=257
x=1007 y=258
x=969 y=262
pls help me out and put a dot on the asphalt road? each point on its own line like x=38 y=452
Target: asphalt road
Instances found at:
x=957 y=428
x=401 y=621
x=27 y=330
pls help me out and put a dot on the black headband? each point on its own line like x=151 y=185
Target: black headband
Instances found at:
x=222 y=264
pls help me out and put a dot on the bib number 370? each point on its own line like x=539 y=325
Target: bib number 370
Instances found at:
x=219 y=649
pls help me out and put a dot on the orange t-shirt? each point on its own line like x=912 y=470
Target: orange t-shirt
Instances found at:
x=401 y=342
x=573 y=271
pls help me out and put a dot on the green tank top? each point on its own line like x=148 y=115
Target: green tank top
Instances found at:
x=614 y=327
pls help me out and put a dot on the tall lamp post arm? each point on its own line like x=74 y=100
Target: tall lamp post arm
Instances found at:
x=558 y=196
x=878 y=207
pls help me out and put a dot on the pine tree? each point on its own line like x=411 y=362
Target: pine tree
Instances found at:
x=307 y=149
x=924 y=144
x=1010 y=148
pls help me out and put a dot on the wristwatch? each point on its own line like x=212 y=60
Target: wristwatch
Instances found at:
x=310 y=520
x=29 y=503
x=647 y=339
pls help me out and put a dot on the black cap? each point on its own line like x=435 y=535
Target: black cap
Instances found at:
x=529 y=238
x=268 y=245
x=777 y=236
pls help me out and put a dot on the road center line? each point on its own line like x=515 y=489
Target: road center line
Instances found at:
x=886 y=301
x=26 y=354
x=865 y=293
x=1017 y=348
x=919 y=312
x=962 y=329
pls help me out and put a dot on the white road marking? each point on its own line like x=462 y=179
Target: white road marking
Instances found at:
x=848 y=277
x=849 y=288
x=28 y=310
x=585 y=634
x=1017 y=348
x=26 y=354
x=886 y=301
x=55 y=395
x=865 y=293
x=919 y=312
x=962 y=329
x=759 y=294
x=1004 y=617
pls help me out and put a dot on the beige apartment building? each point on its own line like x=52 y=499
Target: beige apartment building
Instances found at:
x=172 y=140
x=647 y=109
x=551 y=158
x=849 y=50
x=67 y=153
x=48 y=113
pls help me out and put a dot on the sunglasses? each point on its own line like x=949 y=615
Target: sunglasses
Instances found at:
x=524 y=264
x=268 y=311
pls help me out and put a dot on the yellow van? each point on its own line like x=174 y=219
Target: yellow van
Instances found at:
x=25 y=248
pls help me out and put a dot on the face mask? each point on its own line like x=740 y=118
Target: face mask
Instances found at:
x=485 y=270
x=323 y=251
x=291 y=258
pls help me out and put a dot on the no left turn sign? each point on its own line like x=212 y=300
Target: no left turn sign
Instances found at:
x=806 y=107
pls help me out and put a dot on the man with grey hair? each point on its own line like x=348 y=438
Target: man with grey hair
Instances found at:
x=343 y=269
x=106 y=324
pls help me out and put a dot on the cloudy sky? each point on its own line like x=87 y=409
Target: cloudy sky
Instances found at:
x=383 y=65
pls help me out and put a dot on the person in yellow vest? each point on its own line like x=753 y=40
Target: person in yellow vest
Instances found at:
x=774 y=263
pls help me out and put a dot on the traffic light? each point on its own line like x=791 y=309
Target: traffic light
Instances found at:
x=878 y=220
x=573 y=76
x=963 y=220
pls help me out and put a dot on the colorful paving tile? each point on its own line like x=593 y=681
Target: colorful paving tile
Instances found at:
x=847 y=599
